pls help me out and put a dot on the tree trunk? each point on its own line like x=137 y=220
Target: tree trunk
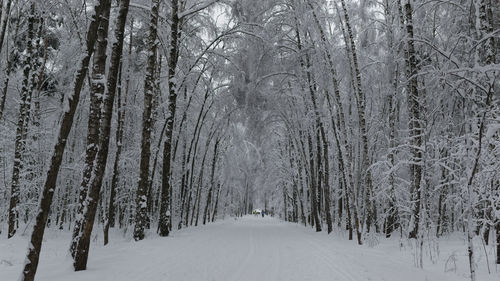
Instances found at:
x=5 y=22
x=414 y=125
x=285 y=204
x=212 y=182
x=497 y=228
x=361 y=101
x=110 y=221
x=214 y=214
x=326 y=175
x=87 y=196
x=22 y=126
x=167 y=148
x=306 y=65
x=82 y=249
x=9 y=66
x=183 y=182
x=314 y=198
x=200 y=183
x=149 y=85
x=96 y=93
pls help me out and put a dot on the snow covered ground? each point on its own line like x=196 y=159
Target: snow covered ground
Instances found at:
x=249 y=248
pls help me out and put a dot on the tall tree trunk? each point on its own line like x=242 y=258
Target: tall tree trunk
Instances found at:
x=314 y=198
x=285 y=203
x=191 y=156
x=82 y=249
x=96 y=93
x=5 y=22
x=200 y=180
x=149 y=87
x=212 y=181
x=183 y=182
x=326 y=175
x=497 y=228
x=167 y=148
x=484 y=17
x=8 y=70
x=361 y=101
x=295 y=191
x=306 y=65
x=348 y=153
x=154 y=116
x=87 y=196
x=214 y=214
x=96 y=86
x=301 y=197
x=188 y=202
x=415 y=122
x=22 y=126
x=110 y=221
x=393 y=77
x=198 y=204
x=110 y=215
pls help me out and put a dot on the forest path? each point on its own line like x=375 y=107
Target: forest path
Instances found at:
x=243 y=249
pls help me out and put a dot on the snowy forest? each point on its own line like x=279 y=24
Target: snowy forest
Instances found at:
x=376 y=121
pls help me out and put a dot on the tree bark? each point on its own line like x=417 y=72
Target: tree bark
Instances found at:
x=22 y=126
x=167 y=148
x=82 y=249
x=415 y=122
x=212 y=181
x=95 y=115
x=96 y=85
x=306 y=65
x=214 y=214
x=5 y=22
x=8 y=70
x=149 y=85
x=110 y=221
x=497 y=228
x=361 y=101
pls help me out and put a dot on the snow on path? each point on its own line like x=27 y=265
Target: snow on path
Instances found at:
x=247 y=249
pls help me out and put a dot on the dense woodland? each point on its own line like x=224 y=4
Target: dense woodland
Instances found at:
x=376 y=118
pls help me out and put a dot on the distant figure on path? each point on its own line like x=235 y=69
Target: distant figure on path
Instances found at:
x=262 y=213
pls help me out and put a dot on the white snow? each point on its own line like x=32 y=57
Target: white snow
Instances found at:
x=247 y=249
x=492 y=129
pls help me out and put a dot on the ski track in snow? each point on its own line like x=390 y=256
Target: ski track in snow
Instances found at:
x=247 y=262
x=246 y=249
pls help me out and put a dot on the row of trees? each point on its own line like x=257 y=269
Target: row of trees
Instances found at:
x=184 y=115
x=380 y=117
x=414 y=123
